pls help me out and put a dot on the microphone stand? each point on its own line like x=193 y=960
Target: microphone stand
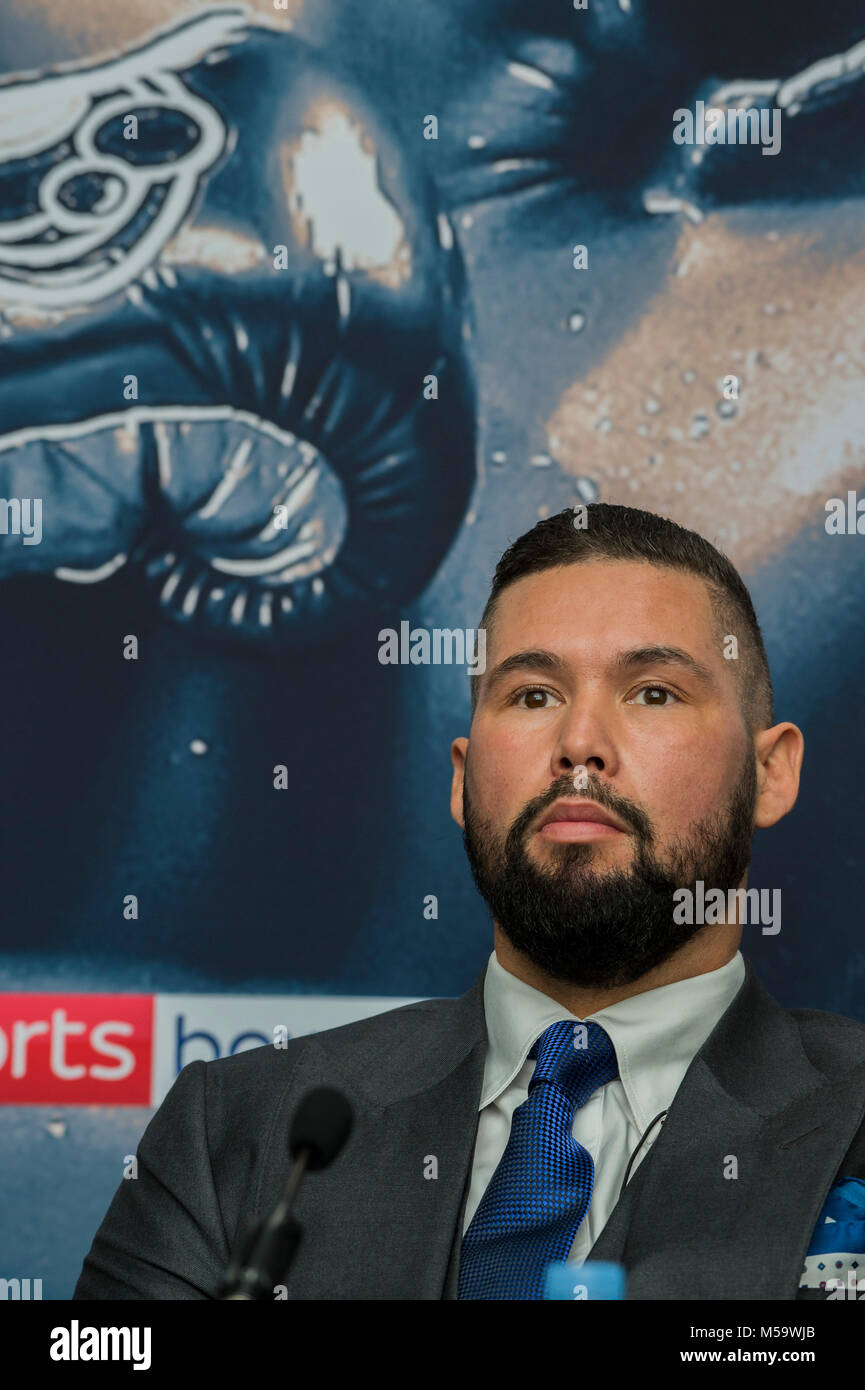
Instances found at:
x=265 y=1254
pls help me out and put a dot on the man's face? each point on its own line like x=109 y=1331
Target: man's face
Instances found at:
x=655 y=739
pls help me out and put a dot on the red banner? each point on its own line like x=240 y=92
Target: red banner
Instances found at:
x=76 y=1049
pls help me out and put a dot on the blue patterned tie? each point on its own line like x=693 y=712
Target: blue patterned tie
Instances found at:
x=540 y=1193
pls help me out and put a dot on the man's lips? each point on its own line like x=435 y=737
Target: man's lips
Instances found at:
x=579 y=820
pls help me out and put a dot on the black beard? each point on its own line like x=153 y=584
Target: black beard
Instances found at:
x=604 y=930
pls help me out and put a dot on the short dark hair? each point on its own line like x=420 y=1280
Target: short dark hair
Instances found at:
x=626 y=533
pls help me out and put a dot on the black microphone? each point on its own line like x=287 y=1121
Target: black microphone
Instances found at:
x=321 y=1125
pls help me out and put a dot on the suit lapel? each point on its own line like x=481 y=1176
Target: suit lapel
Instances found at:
x=733 y=1186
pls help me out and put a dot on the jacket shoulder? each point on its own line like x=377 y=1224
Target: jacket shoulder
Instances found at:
x=834 y=1043
x=378 y=1031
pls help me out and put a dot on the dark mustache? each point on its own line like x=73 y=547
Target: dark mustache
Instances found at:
x=563 y=789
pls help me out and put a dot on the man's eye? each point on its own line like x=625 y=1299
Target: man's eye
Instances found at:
x=531 y=690
x=656 y=690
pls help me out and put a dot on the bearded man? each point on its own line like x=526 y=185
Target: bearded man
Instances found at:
x=616 y=1086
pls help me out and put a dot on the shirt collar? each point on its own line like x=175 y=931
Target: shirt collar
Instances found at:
x=656 y=1034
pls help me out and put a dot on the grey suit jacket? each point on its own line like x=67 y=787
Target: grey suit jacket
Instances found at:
x=781 y=1090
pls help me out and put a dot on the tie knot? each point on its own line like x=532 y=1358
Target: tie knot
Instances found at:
x=574 y=1057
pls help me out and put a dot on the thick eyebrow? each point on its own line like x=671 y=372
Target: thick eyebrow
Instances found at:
x=540 y=660
x=665 y=656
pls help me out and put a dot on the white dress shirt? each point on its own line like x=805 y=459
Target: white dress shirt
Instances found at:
x=656 y=1035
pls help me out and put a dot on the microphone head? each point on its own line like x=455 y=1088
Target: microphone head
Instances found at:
x=322 y=1123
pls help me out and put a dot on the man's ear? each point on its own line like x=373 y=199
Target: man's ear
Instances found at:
x=459 y=749
x=779 y=753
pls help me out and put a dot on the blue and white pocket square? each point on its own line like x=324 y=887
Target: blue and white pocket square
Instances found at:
x=835 y=1261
